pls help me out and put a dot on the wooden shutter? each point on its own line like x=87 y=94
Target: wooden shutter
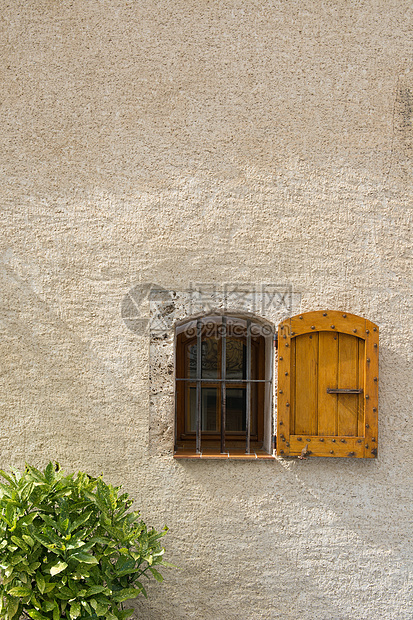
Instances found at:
x=327 y=385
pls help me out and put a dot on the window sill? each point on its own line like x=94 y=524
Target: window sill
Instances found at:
x=233 y=454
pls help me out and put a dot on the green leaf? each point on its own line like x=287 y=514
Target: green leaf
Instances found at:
x=84 y=557
x=168 y=564
x=41 y=584
x=56 y=612
x=94 y=590
x=80 y=521
x=27 y=519
x=35 y=474
x=58 y=568
x=87 y=607
x=34 y=601
x=36 y=615
x=26 y=490
x=49 y=473
x=100 y=608
x=9 y=478
x=63 y=594
x=142 y=589
x=20 y=543
x=126 y=593
x=9 y=571
x=156 y=574
x=101 y=540
x=43 y=540
x=125 y=613
x=124 y=563
x=20 y=591
x=50 y=522
x=28 y=539
x=33 y=566
x=12 y=608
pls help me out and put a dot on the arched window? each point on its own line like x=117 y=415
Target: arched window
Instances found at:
x=223 y=387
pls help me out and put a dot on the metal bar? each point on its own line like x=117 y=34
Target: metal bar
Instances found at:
x=344 y=391
x=248 y=390
x=198 y=386
x=223 y=377
x=226 y=380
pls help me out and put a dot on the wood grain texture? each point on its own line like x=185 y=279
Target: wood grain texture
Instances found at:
x=329 y=350
x=327 y=378
x=347 y=376
x=284 y=394
x=306 y=393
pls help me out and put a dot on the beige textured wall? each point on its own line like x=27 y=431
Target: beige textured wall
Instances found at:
x=211 y=141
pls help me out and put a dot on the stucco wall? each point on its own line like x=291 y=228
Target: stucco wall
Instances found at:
x=218 y=141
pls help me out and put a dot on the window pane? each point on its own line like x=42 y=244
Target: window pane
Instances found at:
x=236 y=357
x=191 y=362
x=236 y=409
x=210 y=358
x=209 y=411
x=257 y=369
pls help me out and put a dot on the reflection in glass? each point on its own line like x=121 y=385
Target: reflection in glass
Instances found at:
x=191 y=361
x=236 y=358
x=210 y=359
x=209 y=366
x=209 y=412
x=236 y=399
x=236 y=409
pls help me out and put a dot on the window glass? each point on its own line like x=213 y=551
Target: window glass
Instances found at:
x=223 y=403
x=209 y=409
x=236 y=359
x=210 y=367
x=236 y=409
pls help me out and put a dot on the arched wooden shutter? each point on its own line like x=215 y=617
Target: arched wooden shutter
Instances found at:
x=327 y=385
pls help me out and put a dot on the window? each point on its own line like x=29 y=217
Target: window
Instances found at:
x=327 y=385
x=224 y=388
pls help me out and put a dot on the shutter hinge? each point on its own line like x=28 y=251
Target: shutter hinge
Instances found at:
x=274 y=442
x=276 y=340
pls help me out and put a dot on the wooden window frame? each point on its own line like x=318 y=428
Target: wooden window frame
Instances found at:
x=221 y=443
x=362 y=445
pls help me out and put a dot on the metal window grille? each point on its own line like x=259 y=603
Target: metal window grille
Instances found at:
x=223 y=380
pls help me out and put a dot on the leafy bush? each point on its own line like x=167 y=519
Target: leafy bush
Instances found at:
x=70 y=547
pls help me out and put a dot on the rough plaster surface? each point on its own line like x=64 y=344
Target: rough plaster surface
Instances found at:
x=213 y=142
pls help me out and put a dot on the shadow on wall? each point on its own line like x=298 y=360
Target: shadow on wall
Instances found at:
x=60 y=400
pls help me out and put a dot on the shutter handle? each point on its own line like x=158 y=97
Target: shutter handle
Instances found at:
x=344 y=391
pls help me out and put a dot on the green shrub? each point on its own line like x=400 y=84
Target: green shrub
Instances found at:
x=70 y=547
